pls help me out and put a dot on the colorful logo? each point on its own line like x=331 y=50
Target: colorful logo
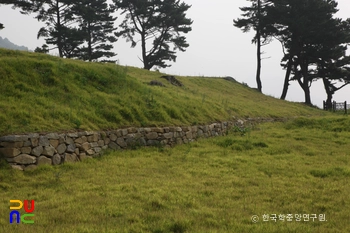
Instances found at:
x=17 y=215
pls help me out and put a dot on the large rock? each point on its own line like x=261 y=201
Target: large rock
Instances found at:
x=70 y=158
x=56 y=159
x=44 y=160
x=97 y=149
x=90 y=152
x=37 y=151
x=9 y=152
x=24 y=159
x=49 y=151
x=157 y=130
x=82 y=156
x=101 y=143
x=61 y=148
x=85 y=146
x=152 y=136
x=12 y=144
x=93 y=138
x=27 y=143
x=124 y=132
x=84 y=138
x=119 y=133
x=121 y=142
x=52 y=136
x=79 y=140
x=113 y=137
x=107 y=141
x=26 y=150
x=186 y=129
x=113 y=146
x=189 y=135
x=94 y=144
x=69 y=140
x=72 y=135
x=142 y=142
x=71 y=148
x=168 y=135
x=54 y=142
x=44 y=141
x=132 y=130
x=14 y=138
x=34 y=142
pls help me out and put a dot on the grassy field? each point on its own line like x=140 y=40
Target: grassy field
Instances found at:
x=212 y=185
x=39 y=93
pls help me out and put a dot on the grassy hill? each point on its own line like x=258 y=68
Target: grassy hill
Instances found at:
x=297 y=170
x=39 y=92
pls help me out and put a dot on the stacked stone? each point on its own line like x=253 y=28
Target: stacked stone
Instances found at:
x=28 y=151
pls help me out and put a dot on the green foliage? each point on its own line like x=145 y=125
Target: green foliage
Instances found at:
x=242 y=130
x=97 y=25
x=44 y=49
x=162 y=22
x=58 y=17
x=314 y=42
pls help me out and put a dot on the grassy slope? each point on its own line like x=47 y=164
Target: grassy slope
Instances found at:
x=213 y=185
x=45 y=93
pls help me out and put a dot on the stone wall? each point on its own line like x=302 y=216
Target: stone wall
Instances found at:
x=30 y=150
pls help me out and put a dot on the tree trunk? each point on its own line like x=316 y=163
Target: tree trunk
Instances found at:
x=326 y=84
x=144 y=52
x=89 y=42
x=305 y=83
x=305 y=86
x=59 y=30
x=286 y=78
x=307 y=95
x=258 y=71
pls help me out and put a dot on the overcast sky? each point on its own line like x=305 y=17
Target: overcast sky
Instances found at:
x=217 y=48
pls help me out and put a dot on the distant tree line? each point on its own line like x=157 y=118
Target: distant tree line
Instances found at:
x=314 y=41
x=84 y=29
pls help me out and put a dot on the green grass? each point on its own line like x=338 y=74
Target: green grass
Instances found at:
x=39 y=92
x=213 y=185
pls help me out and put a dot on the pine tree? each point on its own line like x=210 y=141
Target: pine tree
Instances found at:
x=58 y=17
x=255 y=17
x=162 y=21
x=97 y=25
x=301 y=26
x=333 y=65
x=44 y=49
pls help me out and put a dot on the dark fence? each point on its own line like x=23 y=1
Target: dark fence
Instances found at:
x=334 y=106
